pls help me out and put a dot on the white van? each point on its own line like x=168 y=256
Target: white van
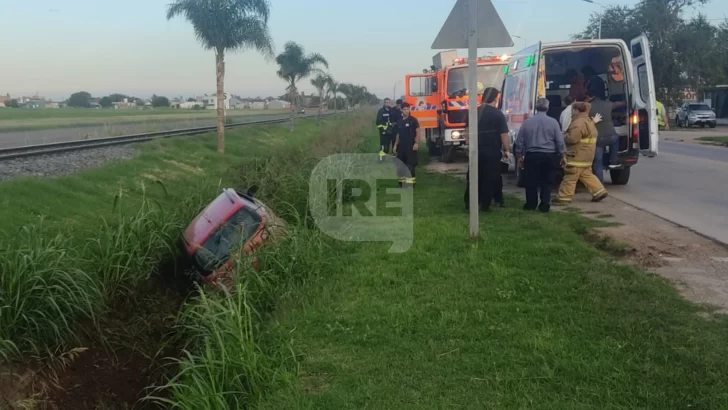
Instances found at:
x=547 y=70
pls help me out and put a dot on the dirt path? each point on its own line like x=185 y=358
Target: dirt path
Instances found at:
x=697 y=266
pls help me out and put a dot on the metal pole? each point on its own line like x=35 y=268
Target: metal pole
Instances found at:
x=600 y=23
x=473 y=116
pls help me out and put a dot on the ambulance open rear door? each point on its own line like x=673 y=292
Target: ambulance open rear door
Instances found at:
x=645 y=123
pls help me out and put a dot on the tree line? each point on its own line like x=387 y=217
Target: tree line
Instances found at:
x=686 y=53
x=226 y=26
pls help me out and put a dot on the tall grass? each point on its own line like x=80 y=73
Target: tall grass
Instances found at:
x=49 y=284
x=224 y=364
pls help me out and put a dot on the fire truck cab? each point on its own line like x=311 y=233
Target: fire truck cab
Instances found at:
x=439 y=98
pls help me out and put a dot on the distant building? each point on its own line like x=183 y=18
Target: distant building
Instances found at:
x=278 y=105
x=3 y=99
x=189 y=105
x=123 y=104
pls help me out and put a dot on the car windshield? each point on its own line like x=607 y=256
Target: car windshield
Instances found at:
x=699 y=107
x=232 y=234
x=488 y=76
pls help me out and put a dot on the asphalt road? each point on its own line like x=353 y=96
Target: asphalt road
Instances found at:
x=33 y=137
x=686 y=184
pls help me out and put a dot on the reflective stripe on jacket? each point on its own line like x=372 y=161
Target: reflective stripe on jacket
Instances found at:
x=581 y=140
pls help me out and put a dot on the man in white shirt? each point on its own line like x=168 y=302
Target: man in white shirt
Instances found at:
x=565 y=119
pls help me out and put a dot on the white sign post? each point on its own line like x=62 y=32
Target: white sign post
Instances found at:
x=485 y=29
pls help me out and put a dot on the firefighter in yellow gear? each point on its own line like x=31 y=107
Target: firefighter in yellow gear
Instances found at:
x=581 y=140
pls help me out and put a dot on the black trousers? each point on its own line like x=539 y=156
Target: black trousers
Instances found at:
x=490 y=182
x=385 y=142
x=406 y=165
x=539 y=172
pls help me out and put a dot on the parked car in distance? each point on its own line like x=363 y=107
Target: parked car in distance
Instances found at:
x=233 y=224
x=690 y=114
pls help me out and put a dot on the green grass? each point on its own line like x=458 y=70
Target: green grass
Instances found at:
x=531 y=316
x=29 y=119
x=723 y=139
x=73 y=244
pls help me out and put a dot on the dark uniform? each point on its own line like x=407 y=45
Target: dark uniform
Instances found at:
x=491 y=124
x=386 y=122
x=407 y=136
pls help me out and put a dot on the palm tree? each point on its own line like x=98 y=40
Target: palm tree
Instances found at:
x=320 y=84
x=226 y=25
x=332 y=87
x=295 y=64
x=347 y=90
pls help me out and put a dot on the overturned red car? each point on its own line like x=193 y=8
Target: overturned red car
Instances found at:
x=233 y=224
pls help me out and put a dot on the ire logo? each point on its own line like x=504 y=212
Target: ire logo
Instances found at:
x=354 y=197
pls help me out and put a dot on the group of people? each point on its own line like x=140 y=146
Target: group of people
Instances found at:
x=399 y=132
x=575 y=144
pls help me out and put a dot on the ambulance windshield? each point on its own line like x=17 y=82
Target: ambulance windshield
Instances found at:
x=488 y=76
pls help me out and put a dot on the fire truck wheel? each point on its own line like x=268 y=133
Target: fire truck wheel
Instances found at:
x=447 y=154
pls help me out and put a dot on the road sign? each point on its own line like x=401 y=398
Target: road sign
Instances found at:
x=473 y=24
x=491 y=32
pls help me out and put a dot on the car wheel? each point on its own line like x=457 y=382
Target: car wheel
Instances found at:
x=712 y=125
x=702 y=125
x=620 y=176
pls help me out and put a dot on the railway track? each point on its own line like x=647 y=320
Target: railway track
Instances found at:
x=60 y=147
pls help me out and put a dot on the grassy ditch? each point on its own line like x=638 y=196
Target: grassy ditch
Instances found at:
x=85 y=253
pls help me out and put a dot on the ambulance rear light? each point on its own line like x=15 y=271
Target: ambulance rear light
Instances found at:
x=635 y=127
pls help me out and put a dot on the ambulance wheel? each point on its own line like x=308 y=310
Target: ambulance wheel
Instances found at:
x=447 y=153
x=620 y=176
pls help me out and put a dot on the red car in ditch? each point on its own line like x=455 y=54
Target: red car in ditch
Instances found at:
x=233 y=224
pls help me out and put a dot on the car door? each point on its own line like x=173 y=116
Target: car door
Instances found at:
x=521 y=87
x=644 y=96
x=421 y=91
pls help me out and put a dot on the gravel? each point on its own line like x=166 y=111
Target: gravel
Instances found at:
x=63 y=163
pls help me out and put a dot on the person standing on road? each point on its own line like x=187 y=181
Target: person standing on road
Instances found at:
x=492 y=148
x=662 y=120
x=581 y=140
x=406 y=145
x=386 y=128
x=540 y=149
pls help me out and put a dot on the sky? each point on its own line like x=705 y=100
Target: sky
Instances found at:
x=57 y=47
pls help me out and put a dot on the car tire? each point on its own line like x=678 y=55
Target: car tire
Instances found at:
x=713 y=125
x=702 y=125
x=620 y=176
x=677 y=122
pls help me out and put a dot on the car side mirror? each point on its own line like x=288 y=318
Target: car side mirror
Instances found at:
x=712 y=109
